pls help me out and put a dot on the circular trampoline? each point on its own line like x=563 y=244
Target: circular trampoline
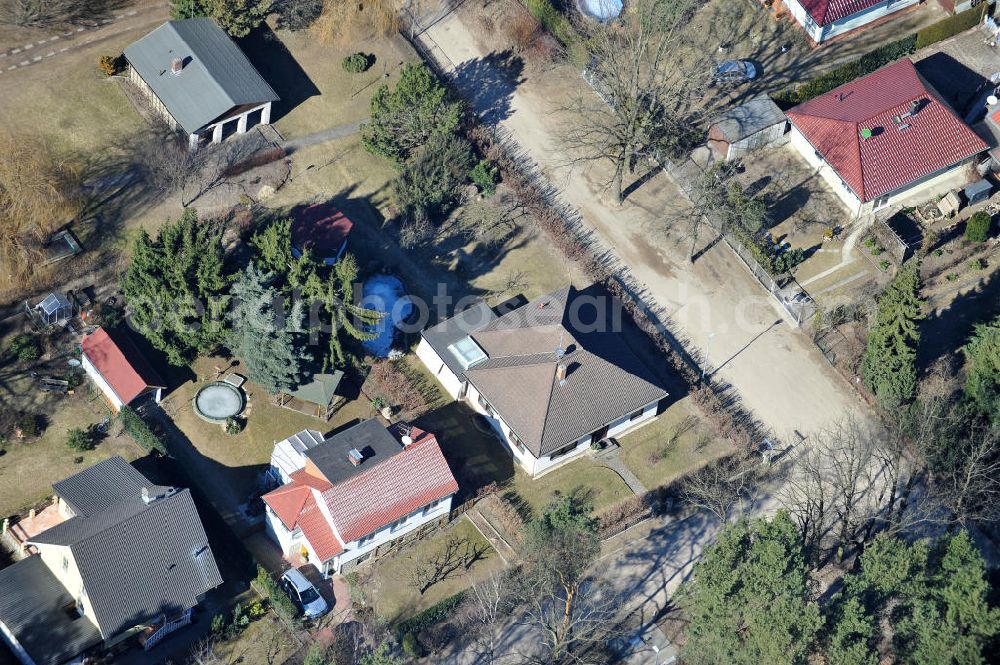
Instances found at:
x=218 y=401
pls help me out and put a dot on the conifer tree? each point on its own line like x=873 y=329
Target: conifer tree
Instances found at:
x=748 y=600
x=890 y=361
x=272 y=349
x=982 y=383
x=175 y=288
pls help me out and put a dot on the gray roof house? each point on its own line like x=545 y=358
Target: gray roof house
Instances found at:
x=131 y=560
x=198 y=79
x=552 y=376
x=754 y=124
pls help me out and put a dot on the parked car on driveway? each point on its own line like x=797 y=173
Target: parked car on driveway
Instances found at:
x=735 y=72
x=304 y=594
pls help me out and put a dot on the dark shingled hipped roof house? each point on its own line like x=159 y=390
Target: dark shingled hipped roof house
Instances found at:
x=131 y=559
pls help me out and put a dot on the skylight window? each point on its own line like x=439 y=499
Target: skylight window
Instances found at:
x=467 y=352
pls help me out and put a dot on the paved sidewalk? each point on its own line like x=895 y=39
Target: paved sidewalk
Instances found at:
x=615 y=463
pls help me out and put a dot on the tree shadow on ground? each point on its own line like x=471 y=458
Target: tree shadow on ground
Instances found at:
x=944 y=332
x=489 y=83
x=280 y=69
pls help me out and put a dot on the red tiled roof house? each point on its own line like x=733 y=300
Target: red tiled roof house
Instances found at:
x=885 y=138
x=823 y=19
x=356 y=495
x=118 y=369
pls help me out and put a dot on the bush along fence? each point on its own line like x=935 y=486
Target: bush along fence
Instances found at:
x=140 y=431
x=882 y=56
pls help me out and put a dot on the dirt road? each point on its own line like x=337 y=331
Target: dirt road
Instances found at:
x=715 y=305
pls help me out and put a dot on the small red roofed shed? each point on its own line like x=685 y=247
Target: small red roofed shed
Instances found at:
x=118 y=369
x=323 y=230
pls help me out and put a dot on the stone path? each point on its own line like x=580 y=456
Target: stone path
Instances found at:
x=615 y=463
x=338 y=132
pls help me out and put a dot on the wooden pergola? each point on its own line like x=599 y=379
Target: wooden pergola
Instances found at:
x=316 y=398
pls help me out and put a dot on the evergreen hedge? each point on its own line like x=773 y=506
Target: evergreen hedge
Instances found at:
x=950 y=26
x=881 y=57
x=432 y=615
x=552 y=20
x=977 y=229
x=139 y=430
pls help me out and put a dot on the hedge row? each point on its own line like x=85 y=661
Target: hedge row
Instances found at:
x=950 y=26
x=881 y=56
x=866 y=64
x=139 y=430
x=432 y=615
x=280 y=602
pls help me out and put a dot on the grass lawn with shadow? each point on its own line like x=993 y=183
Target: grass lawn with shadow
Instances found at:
x=227 y=467
x=585 y=478
x=674 y=444
x=386 y=583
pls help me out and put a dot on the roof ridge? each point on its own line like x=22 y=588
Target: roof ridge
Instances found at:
x=214 y=81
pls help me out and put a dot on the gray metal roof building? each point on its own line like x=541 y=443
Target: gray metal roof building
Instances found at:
x=755 y=123
x=141 y=552
x=198 y=74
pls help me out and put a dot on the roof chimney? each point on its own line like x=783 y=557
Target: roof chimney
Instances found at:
x=561 y=373
x=355 y=456
x=176 y=65
x=914 y=106
x=407 y=440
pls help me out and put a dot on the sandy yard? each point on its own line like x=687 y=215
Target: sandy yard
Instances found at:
x=714 y=304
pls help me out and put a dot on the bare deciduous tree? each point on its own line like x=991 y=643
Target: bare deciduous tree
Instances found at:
x=489 y=604
x=720 y=488
x=641 y=111
x=576 y=637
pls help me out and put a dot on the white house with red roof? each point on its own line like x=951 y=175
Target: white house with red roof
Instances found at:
x=356 y=495
x=884 y=138
x=823 y=19
x=118 y=369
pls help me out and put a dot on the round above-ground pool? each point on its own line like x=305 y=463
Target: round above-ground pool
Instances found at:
x=600 y=10
x=385 y=293
x=218 y=401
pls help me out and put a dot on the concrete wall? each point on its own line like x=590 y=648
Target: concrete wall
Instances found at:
x=432 y=361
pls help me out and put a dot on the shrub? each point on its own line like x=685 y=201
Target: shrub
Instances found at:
x=279 y=600
x=977 y=229
x=29 y=424
x=952 y=276
x=950 y=26
x=411 y=647
x=234 y=426
x=552 y=20
x=432 y=615
x=80 y=439
x=520 y=31
x=429 y=186
x=356 y=63
x=139 y=430
x=884 y=265
x=110 y=64
x=218 y=624
x=298 y=14
x=977 y=264
x=622 y=515
x=938 y=252
x=26 y=348
x=486 y=175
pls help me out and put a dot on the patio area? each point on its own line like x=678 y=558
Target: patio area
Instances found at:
x=16 y=534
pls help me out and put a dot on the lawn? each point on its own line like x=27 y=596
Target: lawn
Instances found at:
x=387 y=586
x=28 y=468
x=69 y=102
x=585 y=478
x=316 y=92
x=693 y=445
x=227 y=467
